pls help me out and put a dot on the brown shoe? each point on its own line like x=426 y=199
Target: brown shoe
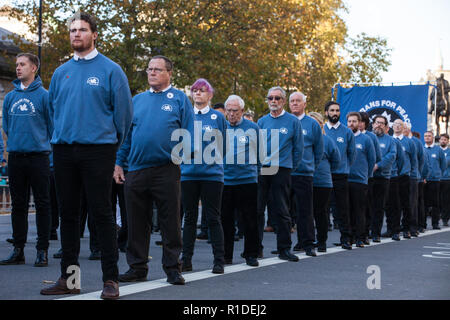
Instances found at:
x=60 y=287
x=110 y=290
x=268 y=229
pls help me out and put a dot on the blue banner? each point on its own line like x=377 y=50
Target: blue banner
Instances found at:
x=409 y=103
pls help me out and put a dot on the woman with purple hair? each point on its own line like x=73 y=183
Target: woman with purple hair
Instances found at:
x=203 y=179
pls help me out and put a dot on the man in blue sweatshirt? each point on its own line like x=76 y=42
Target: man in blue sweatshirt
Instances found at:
x=91 y=109
x=302 y=176
x=277 y=165
x=382 y=173
x=27 y=124
x=438 y=165
x=445 y=181
x=152 y=174
x=358 y=178
x=345 y=141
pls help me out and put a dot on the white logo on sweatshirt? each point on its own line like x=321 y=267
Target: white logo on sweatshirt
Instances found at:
x=434 y=155
x=284 y=130
x=167 y=107
x=382 y=145
x=340 y=139
x=23 y=107
x=359 y=146
x=213 y=116
x=170 y=95
x=305 y=132
x=207 y=128
x=93 y=81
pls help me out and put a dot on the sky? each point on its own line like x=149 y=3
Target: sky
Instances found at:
x=414 y=29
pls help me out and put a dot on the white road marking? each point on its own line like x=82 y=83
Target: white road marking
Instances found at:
x=205 y=274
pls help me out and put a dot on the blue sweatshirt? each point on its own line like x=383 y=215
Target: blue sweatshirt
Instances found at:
x=416 y=170
x=446 y=175
x=364 y=161
x=426 y=168
x=240 y=167
x=345 y=141
x=330 y=161
x=90 y=102
x=26 y=119
x=312 y=147
x=290 y=137
x=388 y=152
x=438 y=162
x=410 y=161
x=155 y=117
x=399 y=162
x=376 y=145
x=204 y=168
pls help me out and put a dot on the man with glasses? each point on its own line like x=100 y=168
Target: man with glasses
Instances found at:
x=382 y=173
x=152 y=176
x=280 y=160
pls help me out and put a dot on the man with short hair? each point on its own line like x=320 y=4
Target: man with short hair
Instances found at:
x=91 y=108
x=27 y=124
x=275 y=177
x=152 y=175
x=302 y=176
x=438 y=165
x=345 y=141
x=445 y=181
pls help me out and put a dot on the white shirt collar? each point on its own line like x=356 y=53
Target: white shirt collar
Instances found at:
x=329 y=125
x=152 y=91
x=22 y=86
x=357 y=133
x=89 y=56
x=399 y=137
x=429 y=146
x=282 y=113
x=238 y=123
x=446 y=147
x=202 y=111
x=300 y=117
x=364 y=131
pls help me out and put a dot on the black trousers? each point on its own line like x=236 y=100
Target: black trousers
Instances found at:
x=369 y=208
x=421 y=213
x=302 y=196
x=393 y=206
x=94 y=244
x=88 y=167
x=278 y=186
x=380 y=192
x=321 y=201
x=357 y=197
x=142 y=187
x=210 y=194
x=118 y=195
x=243 y=198
x=444 y=192
x=411 y=224
x=25 y=170
x=340 y=188
x=432 y=200
x=53 y=203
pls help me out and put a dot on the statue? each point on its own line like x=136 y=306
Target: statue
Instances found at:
x=440 y=102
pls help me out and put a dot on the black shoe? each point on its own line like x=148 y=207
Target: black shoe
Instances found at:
x=322 y=247
x=360 y=244
x=346 y=245
x=406 y=235
x=243 y=255
x=58 y=255
x=376 y=239
x=174 y=277
x=218 y=268
x=366 y=241
x=41 y=258
x=445 y=223
x=236 y=237
x=10 y=240
x=414 y=234
x=186 y=265
x=95 y=255
x=421 y=230
x=298 y=247
x=274 y=252
x=133 y=276
x=387 y=234
x=252 y=262
x=396 y=237
x=335 y=226
x=202 y=236
x=310 y=252
x=123 y=248
x=228 y=261
x=16 y=257
x=260 y=254
x=436 y=228
x=158 y=242
x=287 y=255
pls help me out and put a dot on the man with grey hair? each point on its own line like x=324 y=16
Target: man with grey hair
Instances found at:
x=240 y=190
x=284 y=158
x=302 y=176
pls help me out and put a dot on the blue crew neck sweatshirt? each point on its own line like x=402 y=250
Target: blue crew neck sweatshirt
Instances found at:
x=241 y=161
x=399 y=161
x=156 y=116
x=345 y=141
x=26 y=118
x=90 y=102
x=207 y=169
x=290 y=147
x=409 y=149
x=438 y=163
x=330 y=161
x=364 y=160
x=446 y=175
x=312 y=147
x=376 y=146
x=416 y=169
x=388 y=152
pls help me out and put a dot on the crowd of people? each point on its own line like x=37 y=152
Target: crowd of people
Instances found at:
x=87 y=138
